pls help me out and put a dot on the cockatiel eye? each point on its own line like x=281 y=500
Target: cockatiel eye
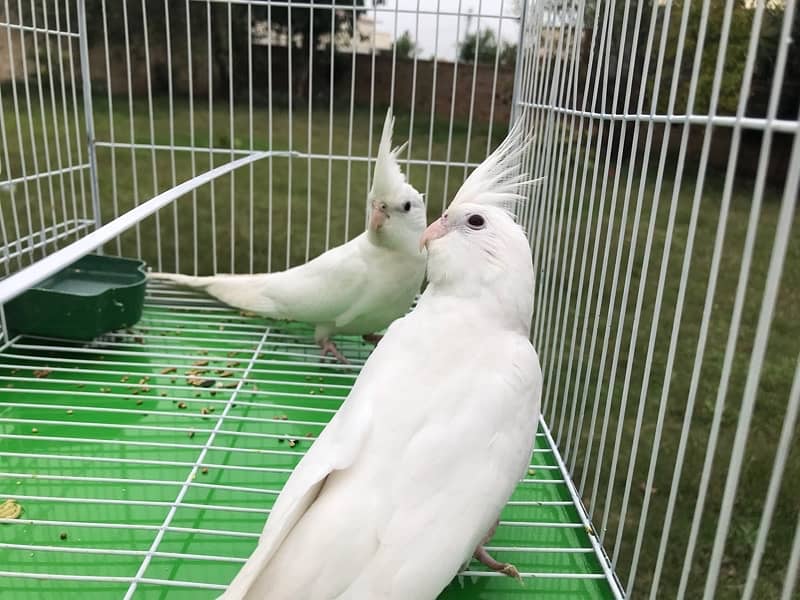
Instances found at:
x=476 y=222
x=407 y=206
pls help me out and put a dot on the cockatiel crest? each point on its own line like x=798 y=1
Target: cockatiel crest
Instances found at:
x=388 y=179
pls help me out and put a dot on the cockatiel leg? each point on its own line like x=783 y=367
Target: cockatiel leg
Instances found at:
x=483 y=556
x=372 y=338
x=328 y=347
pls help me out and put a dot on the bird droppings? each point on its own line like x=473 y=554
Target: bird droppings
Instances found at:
x=168 y=370
x=41 y=373
x=181 y=404
x=292 y=443
x=62 y=535
x=10 y=509
x=162 y=394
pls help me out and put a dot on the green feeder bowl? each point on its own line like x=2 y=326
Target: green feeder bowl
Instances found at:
x=92 y=296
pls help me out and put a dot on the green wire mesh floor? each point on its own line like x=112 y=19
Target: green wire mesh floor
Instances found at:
x=146 y=463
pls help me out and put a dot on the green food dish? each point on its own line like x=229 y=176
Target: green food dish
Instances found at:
x=92 y=296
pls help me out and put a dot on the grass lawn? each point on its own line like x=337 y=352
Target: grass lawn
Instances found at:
x=281 y=211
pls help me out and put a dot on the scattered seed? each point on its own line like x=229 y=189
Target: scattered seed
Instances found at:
x=222 y=327
x=123 y=379
x=40 y=373
x=531 y=471
x=9 y=385
x=312 y=392
x=105 y=390
x=10 y=509
x=204 y=470
x=292 y=443
x=62 y=535
x=80 y=385
x=309 y=435
x=200 y=363
x=322 y=389
x=232 y=364
x=232 y=354
x=162 y=393
x=181 y=404
x=34 y=430
x=14 y=371
x=145 y=389
x=197 y=394
x=225 y=373
x=168 y=370
x=138 y=339
x=191 y=434
x=204 y=411
x=139 y=402
x=69 y=411
x=207 y=383
x=202 y=352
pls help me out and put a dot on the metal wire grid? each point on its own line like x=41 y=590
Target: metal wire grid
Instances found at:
x=584 y=402
x=84 y=424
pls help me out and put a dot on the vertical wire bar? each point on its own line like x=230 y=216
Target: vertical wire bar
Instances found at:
x=54 y=112
x=750 y=235
x=790 y=580
x=134 y=171
x=472 y=90
x=679 y=304
x=566 y=399
x=192 y=155
x=20 y=143
x=311 y=43
x=269 y=136
x=231 y=139
x=788 y=205
x=587 y=235
x=354 y=36
x=778 y=467
x=518 y=64
x=31 y=133
x=528 y=87
x=494 y=74
x=552 y=175
x=212 y=184
x=4 y=139
x=76 y=119
x=452 y=110
x=251 y=189
x=330 y=133
x=615 y=273
x=45 y=132
x=433 y=105
x=290 y=49
x=171 y=108
x=710 y=290
x=65 y=115
x=564 y=295
x=151 y=125
x=664 y=262
x=371 y=115
x=394 y=57
x=413 y=94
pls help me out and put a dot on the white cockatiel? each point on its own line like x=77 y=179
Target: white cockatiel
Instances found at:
x=357 y=288
x=400 y=489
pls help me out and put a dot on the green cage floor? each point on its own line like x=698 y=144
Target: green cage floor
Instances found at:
x=146 y=463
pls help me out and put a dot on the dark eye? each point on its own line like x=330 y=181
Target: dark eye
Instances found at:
x=407 y=206
x=476 y=221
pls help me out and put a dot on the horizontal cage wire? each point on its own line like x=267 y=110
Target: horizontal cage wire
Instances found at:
x=239 y=136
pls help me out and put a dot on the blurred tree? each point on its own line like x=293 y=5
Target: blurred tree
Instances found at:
x=485 y=44
x=405 y=46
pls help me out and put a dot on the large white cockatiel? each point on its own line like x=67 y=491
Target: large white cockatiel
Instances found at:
x=402 y=486
x=357 y=288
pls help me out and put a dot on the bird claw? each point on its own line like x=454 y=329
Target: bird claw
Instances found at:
x=505 y=568
x=328 y=347
x=511 y=571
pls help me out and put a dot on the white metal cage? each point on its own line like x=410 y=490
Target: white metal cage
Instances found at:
x=213 y=136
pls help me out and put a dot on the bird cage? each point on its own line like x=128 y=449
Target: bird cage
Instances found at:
x=206 y=136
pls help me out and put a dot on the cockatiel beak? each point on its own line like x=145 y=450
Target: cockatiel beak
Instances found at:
x=379 y=215
x=434 y=231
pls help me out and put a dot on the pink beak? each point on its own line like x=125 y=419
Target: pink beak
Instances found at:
x=434 y=231
x=377 y=217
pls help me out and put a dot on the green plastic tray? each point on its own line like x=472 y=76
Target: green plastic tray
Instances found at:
x=92 y=296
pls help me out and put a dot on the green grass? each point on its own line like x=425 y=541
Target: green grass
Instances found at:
x=231 y=242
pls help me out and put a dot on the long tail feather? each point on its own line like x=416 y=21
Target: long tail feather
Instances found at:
x=245 y=292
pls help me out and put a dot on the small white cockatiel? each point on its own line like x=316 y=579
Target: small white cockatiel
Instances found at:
x=400 y=489
x=357 y=288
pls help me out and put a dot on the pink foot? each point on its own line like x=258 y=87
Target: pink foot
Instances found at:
x=484 y=557
x=372 y=338
x=328 y=347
